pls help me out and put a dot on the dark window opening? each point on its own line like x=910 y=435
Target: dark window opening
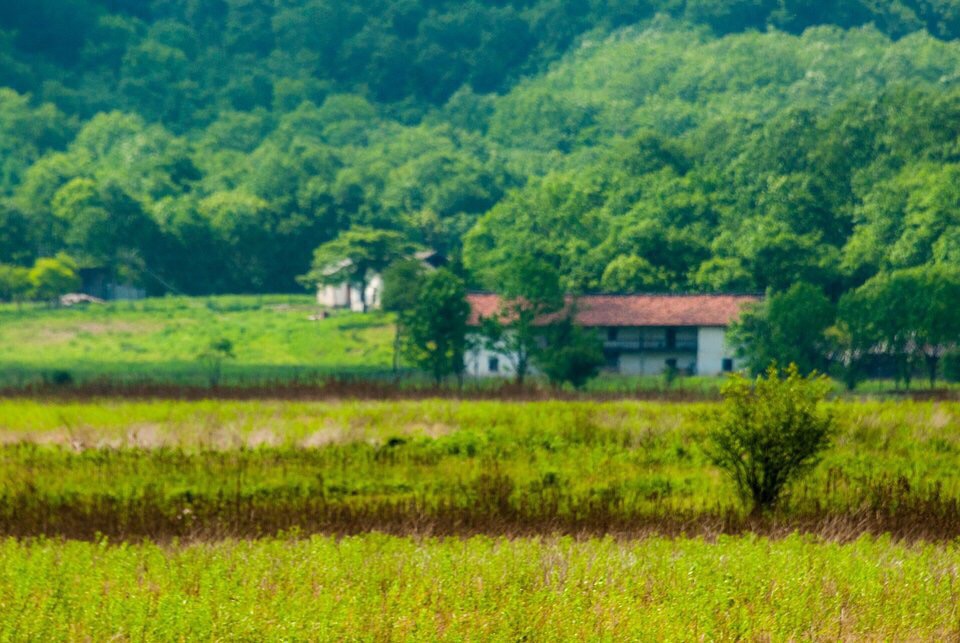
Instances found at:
x=493 y=365
x=671 y=338
x=612 y=334
x=727 y=365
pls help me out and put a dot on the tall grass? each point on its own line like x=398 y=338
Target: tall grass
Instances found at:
x=377 y=587
x=152 y=469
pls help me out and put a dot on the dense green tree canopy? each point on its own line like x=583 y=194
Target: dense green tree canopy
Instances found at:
x=654 y=145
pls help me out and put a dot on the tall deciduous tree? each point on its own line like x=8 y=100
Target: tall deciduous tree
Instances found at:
x=788 y=327
x=354 y=257
x=910 y=314
x=402 y=282
x=530 y=290
x=437 y=326
x=105 y=227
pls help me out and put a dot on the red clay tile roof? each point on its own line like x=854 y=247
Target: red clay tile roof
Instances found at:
x=638 y=310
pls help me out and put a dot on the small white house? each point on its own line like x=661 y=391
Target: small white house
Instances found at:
x=641 y=334
x=347 y=295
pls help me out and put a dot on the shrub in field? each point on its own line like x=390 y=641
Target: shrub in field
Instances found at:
x=770 y=431
x=213 y=357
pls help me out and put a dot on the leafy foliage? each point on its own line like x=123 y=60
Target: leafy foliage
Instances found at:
x=909 y=314
x=791 y=327
x=436 y=326
x=353 y=258
x=570 y=354
x=211 y=147
x=402 y=281
x=52 y=277
x=530 y=290
x=770 y=431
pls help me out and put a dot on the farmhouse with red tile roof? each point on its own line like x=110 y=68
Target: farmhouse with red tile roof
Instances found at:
x=641 y=334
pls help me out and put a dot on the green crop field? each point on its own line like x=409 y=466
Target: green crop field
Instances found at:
x=443 y=519
x=161 y=339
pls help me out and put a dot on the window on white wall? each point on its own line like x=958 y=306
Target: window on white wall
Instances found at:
x=493 y=365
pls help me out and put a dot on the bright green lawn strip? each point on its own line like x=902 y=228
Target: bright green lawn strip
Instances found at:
x=161 y=339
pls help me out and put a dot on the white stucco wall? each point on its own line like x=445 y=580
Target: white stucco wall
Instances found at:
x=711 y=350
x=654 y=363
x=333 y=296
x=708 y=360
x=479 y=360
x=373 y=292
x=348 y=296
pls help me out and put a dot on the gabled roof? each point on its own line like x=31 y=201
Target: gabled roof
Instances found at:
x=432 y=258
x=637 y=310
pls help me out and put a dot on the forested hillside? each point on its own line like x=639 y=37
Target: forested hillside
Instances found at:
x=209 y=145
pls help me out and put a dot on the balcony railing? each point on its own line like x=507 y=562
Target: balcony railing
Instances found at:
x=651 y=346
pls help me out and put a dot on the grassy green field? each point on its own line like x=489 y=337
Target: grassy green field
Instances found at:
x=464 y=520
x=177 y=469
x=160 y=340
x=378 y=587
x=275 y=342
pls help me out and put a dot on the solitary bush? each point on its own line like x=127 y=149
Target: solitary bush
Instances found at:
x=213 y=357
x=770 y=431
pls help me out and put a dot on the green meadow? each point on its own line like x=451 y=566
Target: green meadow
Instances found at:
x=464 y=520
x=278 y=340
x=161 y=340
x=164 y=469
x=381 y=588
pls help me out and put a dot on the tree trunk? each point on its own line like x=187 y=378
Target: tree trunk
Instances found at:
x=363 y=296
x=396 y=351
x=850 y=376
x=521 y=373
x=932 y=362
